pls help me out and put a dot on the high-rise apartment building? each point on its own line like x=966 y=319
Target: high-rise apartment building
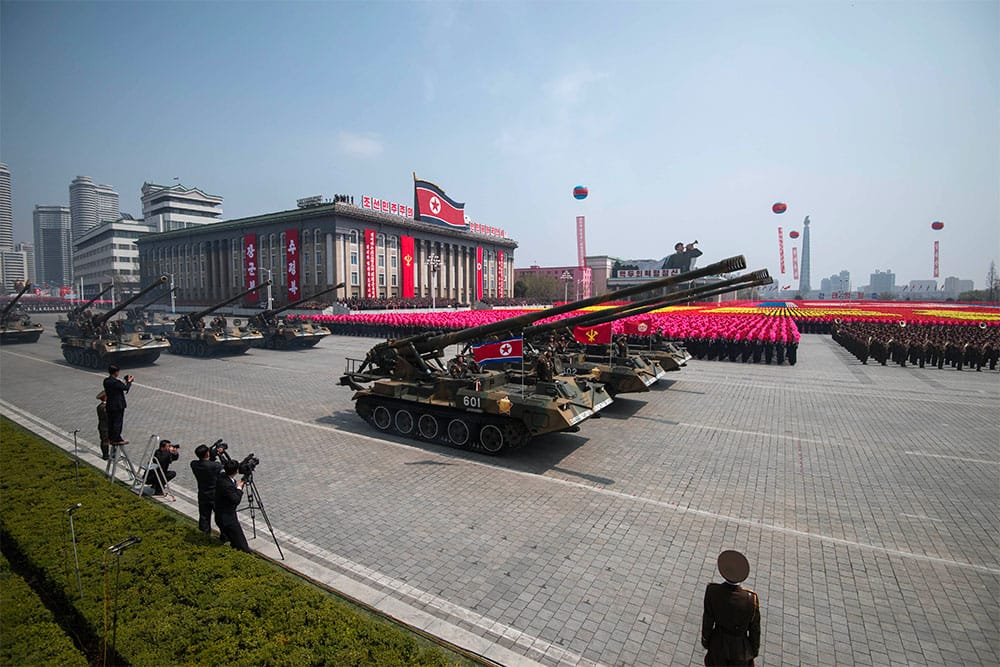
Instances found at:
x=883 y=282
x=53 y=245
x=6 y=211
x=108 y=252
x=169 y=207
x=29 y=254
x=838 y=283
x=91 y=204
x=955 y=286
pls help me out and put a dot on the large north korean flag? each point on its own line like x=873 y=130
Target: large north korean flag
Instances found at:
x=499 y=352
x=431 y=204
x=639 y=327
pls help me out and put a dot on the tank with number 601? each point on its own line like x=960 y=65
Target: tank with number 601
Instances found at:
x=402 y=387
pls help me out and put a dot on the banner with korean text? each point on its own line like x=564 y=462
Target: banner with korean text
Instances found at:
x=406 y=265
x=371 y=287
x=501 y=276
x=250 y=264
x=479 y=273
x=292 y=264
x=781 y=249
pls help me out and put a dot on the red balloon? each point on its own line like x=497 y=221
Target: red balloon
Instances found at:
x=779 y=207
x=936 y=226
x=793 y=235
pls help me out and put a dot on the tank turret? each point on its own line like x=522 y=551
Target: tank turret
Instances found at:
x=402 y=386
x=284 y=334
x=191 y=335
x=99 y=341
x=15 y=326
x=75 y=317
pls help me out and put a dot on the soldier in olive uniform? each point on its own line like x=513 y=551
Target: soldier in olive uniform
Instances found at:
x=730 y=626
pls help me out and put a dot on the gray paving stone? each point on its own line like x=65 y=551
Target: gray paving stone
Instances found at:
x=864 y=496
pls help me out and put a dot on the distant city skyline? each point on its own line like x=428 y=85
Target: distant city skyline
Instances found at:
x=685 y=120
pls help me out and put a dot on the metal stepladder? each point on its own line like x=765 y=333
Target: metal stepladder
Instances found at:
x=148 y=465
x=119 y=454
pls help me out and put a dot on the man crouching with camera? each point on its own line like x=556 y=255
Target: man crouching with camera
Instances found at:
x=165 y=455
x=228 y=494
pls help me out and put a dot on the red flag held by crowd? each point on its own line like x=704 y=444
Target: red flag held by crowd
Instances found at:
x=594 y=335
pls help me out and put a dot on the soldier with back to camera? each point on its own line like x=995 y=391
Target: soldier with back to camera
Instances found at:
x=730 y=625
x=206 y=471
x=115 y=391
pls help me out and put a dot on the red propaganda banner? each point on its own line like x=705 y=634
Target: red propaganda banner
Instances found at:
x=250 y=263
x=433 y=205
x=292 y=264
x=937 y=271
x=479 y=273
x=638 y=327
x=406 y=265
x=581 y=241
x=795 y=263
x=371 y=288
x=501 y=277
x=781 y=249
x=500 y=351
x=594 y=335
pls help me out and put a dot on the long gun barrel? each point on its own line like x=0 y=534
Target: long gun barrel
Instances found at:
x=423 y=343
x=761 y=277
x=194 y=317
x=3 y=315
x=125 y=304
x=79 y=309
x=275 y=311
x=158 y=297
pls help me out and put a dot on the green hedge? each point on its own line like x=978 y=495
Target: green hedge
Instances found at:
x=183 y=597
x=28 y=633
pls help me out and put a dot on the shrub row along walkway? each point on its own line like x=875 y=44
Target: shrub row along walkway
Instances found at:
x=180 y=597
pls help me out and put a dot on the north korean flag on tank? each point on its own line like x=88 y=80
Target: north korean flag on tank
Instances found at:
x=637 y=327
x=599 y=334
x=503 y=351
x=433 y=205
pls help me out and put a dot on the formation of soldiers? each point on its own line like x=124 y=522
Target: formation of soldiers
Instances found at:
x=973 y=346
x=743 y=350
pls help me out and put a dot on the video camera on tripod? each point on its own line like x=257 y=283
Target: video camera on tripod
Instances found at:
x=220 y=450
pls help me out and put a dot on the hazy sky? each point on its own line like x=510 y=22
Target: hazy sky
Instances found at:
x=686 y=120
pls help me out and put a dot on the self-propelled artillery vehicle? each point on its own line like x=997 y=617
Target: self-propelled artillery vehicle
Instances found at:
x=16 y=326
x=99 y=341
x=666 y=355
x=281 y=334
x=78 y=314
x=192 y=336
x=402 y=387
x=140 y=318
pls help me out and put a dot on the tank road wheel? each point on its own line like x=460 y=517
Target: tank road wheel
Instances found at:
x=458 y=432
x=427 y=427
x=95 y=360
x=404 y=422
x=381 y=417
x=491 y=438
x=202 y=348
x=515 y=435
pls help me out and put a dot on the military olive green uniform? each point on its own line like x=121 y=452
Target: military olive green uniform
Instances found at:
x=730 y=626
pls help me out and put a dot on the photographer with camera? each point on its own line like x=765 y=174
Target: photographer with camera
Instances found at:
x=115 y=391
x=165 y=455
x=228 y=495
x=206 y=471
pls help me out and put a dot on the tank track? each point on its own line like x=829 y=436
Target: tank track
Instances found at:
x=442 y=425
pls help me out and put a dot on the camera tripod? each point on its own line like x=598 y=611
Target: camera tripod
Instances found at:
x=254 y=503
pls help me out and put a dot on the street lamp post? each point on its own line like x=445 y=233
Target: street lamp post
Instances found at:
x=433 y=264
x=269 y=281
x=567 y=278
x=173 y=298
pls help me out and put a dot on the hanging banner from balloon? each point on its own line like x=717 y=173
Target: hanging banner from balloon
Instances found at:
x=936 y=269
x=781 y=249
x=795 y=263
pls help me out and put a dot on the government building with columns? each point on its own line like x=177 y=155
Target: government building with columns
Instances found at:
x=322 y=243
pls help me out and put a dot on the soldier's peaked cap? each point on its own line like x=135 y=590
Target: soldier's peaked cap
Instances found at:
x=733 y=566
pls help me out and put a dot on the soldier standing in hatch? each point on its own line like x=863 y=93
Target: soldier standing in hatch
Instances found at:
x=730 y=625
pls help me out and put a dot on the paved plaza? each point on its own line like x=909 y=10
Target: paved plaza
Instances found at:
x=865 y=497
